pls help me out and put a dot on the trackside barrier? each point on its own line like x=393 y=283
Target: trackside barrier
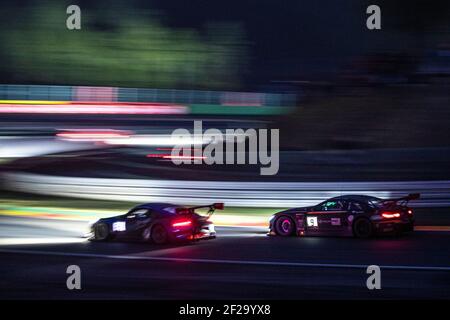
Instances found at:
x=242 y=194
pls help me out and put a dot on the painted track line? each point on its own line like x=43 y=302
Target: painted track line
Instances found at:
x=224 y=261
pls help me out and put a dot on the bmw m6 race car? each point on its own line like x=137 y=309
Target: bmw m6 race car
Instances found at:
x=157 y=222
x=349 y=215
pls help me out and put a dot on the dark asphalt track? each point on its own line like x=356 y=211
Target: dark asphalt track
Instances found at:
x=242 y=263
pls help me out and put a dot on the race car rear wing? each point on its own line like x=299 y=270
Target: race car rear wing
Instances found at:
x=403 y=200
x=211 y=208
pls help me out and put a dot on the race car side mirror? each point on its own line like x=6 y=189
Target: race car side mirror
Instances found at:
x=218 y=206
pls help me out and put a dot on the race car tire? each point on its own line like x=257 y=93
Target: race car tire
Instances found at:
x=159 y=234
x=101 y=232
x=362 y=228
x=284 y=226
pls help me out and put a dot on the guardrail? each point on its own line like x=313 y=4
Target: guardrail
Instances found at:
x=242 y=194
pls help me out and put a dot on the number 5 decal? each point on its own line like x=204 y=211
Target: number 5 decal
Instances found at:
x=312 y=221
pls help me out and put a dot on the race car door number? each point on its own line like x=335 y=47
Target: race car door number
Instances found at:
x=312 y=222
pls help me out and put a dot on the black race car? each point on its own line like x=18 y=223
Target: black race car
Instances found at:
x=357 y=215
x=157 y=222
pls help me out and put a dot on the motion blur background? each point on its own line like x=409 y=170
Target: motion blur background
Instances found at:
x=360 y=111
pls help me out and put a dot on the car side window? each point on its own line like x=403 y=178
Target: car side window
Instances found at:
x=139 y=213
x=332 y=205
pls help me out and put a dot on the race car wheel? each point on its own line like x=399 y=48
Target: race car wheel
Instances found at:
x=159 y=234
x=284 y=226
x=101 y=231
x=362 y=228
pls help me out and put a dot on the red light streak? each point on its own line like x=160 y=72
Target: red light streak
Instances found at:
x=169 y=156
x=390 y=215
x=183 y=157
x=182 y=223
x=94 y=108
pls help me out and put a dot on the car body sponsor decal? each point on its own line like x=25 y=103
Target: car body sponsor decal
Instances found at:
x=335 y=221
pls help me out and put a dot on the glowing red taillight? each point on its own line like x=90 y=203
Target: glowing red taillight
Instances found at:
x=410 y=212
x=182 y=223
x=390 y=215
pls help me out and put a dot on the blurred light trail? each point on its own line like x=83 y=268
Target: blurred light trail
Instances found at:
x=169 y=156
x=126 y=137
x=21 y=148
x=57 y=213
x=21 y=241
x=432 y=228
x=33 y=102
x=160 y=140
x=93 y=134
x=94 y=108
x=91 y=215
x=170 y=149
